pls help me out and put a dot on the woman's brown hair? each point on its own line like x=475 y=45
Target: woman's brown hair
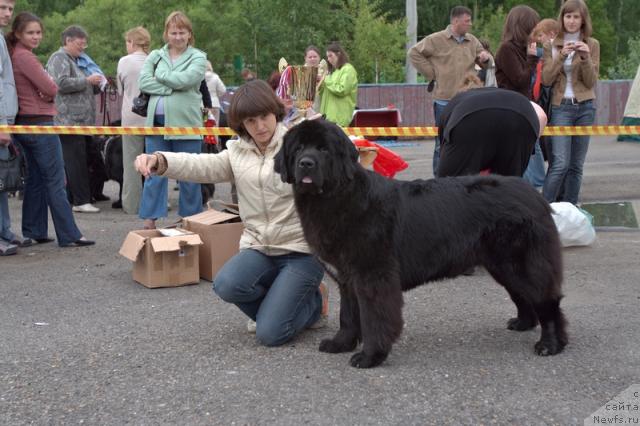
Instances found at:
x=579 y=6
x=343 y=58
x=520 y=21
x=252 y=99
x=180 y=20
x=19 y=25
x=139 y=37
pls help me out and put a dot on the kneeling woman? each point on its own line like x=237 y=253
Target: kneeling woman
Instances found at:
x=273 y=279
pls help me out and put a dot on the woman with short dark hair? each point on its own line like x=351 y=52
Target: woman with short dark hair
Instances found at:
x=76 y=106
x=274 y=279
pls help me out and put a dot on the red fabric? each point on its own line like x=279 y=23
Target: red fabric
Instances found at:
x=210 y=122
x=538 y=81
x=387 y=162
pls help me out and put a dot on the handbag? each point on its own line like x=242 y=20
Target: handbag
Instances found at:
x=140 y=104
x=542 y=94
x=12 y=171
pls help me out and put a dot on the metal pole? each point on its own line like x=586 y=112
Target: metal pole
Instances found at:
x=410 y=75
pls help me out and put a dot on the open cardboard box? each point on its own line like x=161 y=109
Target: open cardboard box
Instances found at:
x=220 y=232
x=163 y=257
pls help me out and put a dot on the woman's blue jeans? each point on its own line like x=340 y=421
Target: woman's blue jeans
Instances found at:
x=568 y=153
x=154 y=193
x=534 y=174
x=5 y=217
x=45 y=189
x=280 y=293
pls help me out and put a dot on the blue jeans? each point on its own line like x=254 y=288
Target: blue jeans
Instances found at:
x=5 y=218
x=534 y=174
x=438 y=107
x=45 y=189
x=154 y=193
x=568 y=153
x=280 y=293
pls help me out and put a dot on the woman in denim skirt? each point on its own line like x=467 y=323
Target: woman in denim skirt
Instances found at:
x=571 y=63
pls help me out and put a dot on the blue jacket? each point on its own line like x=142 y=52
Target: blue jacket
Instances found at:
x=8 y=94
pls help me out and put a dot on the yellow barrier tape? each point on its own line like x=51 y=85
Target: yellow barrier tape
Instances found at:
x=356 y=131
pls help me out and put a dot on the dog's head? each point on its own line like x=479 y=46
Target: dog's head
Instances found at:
x=316 y=157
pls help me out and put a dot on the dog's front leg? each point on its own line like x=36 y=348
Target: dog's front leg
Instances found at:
x=381 y=320
x=349 y=334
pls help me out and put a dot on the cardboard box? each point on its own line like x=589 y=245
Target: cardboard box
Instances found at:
x=220 y=232
x=163 y=257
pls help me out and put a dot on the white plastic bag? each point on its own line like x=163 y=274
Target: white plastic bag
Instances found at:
x=574 y=226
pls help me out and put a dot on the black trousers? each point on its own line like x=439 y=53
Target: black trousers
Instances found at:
x=496 y=139
x=74 y=153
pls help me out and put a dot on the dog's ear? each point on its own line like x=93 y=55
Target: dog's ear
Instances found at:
x=346 y=150
x=283 y=161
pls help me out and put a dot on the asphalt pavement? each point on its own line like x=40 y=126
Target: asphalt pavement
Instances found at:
x=84 y=344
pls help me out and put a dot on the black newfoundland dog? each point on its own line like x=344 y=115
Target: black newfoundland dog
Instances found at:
x=385 y=236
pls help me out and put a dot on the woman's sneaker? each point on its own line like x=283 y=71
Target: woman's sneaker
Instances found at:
x=7 y=249
x=324 y=314
x=86 y=208
x=251 y=326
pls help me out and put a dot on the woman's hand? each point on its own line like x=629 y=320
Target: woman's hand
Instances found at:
x=567 y=49
x=582 y=49
x=94 y=79
x=532 y=49
x=146 y=164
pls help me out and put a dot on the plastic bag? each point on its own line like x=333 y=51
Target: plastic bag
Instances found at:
x=387 y=163
x=574 y=225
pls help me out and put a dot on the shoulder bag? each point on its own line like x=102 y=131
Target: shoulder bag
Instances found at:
x=141 y=102
x=12 y=171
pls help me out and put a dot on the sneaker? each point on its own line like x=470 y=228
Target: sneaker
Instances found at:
x=86 y=208
x=21 y=242
x=251 y=326
x=324 y=314
x=7 y=249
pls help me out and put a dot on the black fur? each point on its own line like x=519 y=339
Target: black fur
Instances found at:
x=385 y=236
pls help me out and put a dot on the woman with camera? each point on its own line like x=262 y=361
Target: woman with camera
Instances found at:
x=571 y=63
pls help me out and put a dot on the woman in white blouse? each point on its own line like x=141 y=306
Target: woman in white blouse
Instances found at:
x=138 y=41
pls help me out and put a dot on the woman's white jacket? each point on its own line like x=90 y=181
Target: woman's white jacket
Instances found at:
x=271 y=223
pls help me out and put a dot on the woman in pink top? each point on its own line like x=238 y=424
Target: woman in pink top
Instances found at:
x=45 y=186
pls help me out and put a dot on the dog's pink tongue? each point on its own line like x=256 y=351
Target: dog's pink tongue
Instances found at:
x=307 y=179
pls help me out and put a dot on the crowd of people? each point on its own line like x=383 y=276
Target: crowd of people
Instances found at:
x=557 y=54
x=274 y=279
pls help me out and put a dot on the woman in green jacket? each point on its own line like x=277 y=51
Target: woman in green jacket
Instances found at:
x=172 y=76
x=338 y=91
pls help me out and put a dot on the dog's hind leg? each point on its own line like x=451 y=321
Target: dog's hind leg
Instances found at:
x=537 y=297
x=381 y=320
x=553 y=337
x=506 y=276
x=349 y=334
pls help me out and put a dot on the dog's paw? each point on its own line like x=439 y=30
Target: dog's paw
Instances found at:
x=334 y=346
x=518 y=324
x=363 y=360
x=548 y=347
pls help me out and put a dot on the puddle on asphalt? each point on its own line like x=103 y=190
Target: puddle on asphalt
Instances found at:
x=619 y=214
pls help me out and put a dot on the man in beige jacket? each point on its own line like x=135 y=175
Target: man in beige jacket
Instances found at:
x=447 y=57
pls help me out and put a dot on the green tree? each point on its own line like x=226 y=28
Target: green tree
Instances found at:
x=627 y=66
x=378 y=46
